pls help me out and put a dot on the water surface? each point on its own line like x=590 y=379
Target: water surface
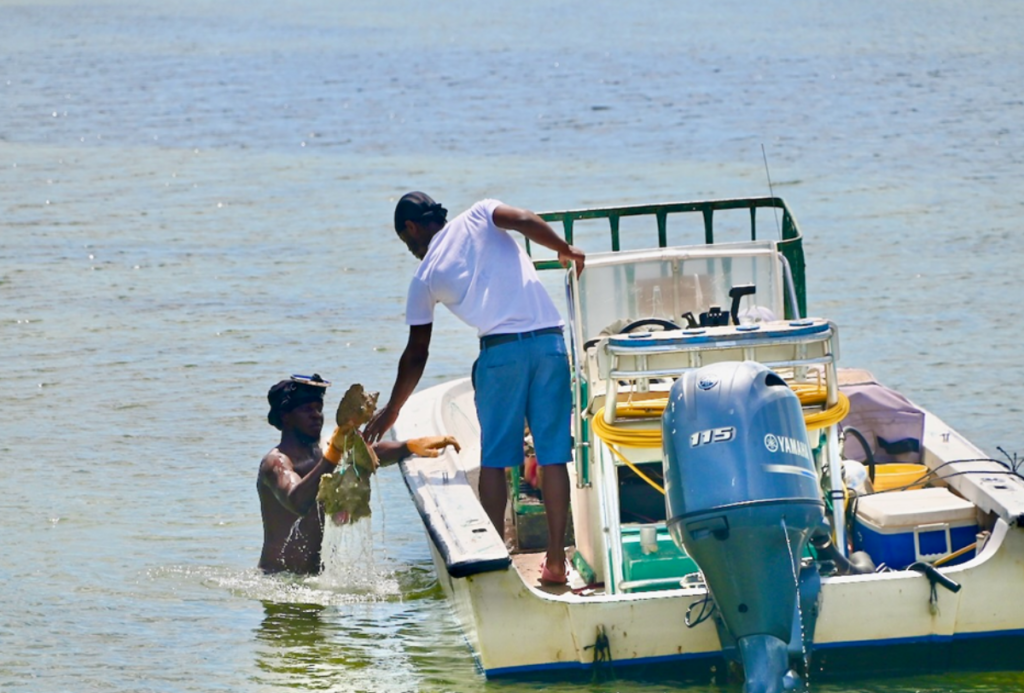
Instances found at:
x=195 y=201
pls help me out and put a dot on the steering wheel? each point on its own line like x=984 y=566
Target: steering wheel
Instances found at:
x=668 y=325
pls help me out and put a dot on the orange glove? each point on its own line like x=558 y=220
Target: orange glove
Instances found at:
x=431 y=446
x=335 y=448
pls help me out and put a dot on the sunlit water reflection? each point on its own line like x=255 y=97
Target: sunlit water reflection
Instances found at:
x=195 y=202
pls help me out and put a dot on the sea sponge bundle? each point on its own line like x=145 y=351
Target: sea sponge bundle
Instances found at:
x=345 y=493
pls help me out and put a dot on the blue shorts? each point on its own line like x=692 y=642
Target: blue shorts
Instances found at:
x=518 y=382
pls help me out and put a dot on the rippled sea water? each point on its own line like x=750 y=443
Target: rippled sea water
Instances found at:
x=195 y=201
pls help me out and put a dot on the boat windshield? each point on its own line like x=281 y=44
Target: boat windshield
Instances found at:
x=620 y=288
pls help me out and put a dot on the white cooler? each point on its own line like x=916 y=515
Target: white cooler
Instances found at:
x=926 y=524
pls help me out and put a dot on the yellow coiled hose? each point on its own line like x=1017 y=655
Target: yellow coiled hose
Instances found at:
x=809 y=395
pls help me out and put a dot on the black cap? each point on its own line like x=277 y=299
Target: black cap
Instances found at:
x=420 y=208
x=294 y=392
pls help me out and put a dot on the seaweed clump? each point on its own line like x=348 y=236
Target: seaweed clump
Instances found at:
x=345 y=492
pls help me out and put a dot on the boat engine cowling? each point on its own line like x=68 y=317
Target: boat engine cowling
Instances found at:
x=742 y=498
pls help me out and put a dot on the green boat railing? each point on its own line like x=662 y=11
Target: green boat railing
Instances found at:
x=784 y=230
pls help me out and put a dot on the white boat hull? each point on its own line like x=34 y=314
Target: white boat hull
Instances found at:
x=515 y=627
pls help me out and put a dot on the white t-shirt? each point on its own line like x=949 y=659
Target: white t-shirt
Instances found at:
x=484 y=277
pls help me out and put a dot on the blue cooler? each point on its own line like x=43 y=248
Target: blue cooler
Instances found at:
x=921 y=525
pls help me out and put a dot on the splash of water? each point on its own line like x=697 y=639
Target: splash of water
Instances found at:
x=347 y=556
x=799 y=609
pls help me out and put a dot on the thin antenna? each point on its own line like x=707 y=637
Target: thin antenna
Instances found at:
x=771 y=191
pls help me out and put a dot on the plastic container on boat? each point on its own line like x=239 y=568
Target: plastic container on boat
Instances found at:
x=899 y=475
x=921 y=525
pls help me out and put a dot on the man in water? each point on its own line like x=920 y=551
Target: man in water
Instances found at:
x=289 y=475
x=478 y=270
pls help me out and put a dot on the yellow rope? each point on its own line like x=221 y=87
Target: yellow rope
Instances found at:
x=637 y=470
x=808 y=394
x=632 y=437
x=811 y=395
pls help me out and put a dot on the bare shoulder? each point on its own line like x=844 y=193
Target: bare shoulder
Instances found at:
x=275 y=462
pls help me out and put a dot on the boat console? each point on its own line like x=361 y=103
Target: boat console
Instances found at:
x=634 y=333
x=694 y=448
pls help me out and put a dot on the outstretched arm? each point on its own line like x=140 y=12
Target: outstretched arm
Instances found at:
x=540 y=232
x=390 y=451
x=295 y=492
x=410 y=370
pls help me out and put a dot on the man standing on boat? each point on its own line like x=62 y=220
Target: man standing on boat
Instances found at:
x=474 y=267
x=289 y=476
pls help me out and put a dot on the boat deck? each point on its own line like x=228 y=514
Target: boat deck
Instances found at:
x=529 y=566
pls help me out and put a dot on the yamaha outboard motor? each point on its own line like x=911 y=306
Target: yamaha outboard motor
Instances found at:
x=742 y=498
